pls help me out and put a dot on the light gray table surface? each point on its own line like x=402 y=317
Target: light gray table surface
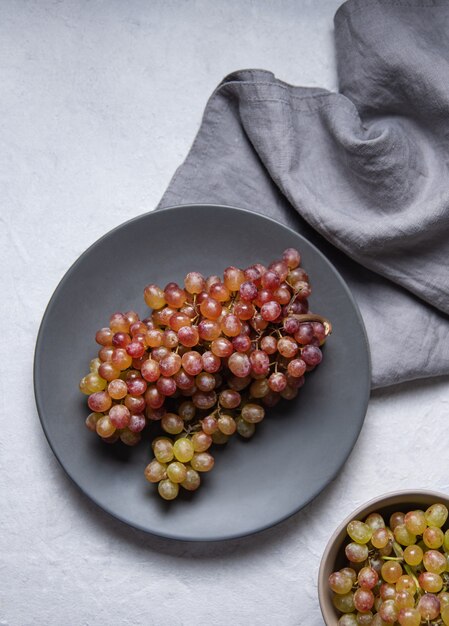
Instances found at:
x=99 y=103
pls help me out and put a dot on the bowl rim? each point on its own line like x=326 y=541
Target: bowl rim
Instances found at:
x=384 y=500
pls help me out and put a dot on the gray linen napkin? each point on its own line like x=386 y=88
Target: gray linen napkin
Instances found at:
x=363 y=173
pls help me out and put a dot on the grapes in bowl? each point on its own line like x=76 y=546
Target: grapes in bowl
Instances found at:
x=388 y=563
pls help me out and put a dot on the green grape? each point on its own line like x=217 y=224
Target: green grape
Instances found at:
x=183 y=449
x=380 y=538
x=349 y=619
x=359 y=532
x=404 y=600
x=406 y=583
x=415 y=522
x=436 y=515
x=446 y=541
x=94 y=365
x=167 y=489
x=404 y=536
x=445 y=614
x=344 y=602
x=340 y=583
x=444 y=599
x=391 y=571
x=375 y=521
x=163 y=449
x=413 y=555
x=356 y=552
x=176 y=472
x=244 y=428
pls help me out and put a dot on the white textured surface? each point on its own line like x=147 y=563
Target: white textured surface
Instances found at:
x=99 y=104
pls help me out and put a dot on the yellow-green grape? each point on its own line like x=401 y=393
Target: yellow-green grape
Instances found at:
x=404 y=536
x=436 y=515
x=192 y=480
x=445 y=614
x=167 y=489
x=219 y=437
x=413 y=555
x=340 y=583
x=375 y=521
x=155 y=471
x=415 y=522
x=406 y=583
x=202 y=461
x=244 y=428
x=105 y=428
x=348 y=619
x=172 y=423
x=344 y=602
x=408 y=617
x=91 y=421
x=359 y=532
x=432 y=583
x=446 y=541
x=380 y=538
x=183 y=450
x=363 y=619
x=92 y=383
x=176 y=472
x=433 y=537
x=404 y=600
x=95 y=364
x=163 y=449
x=391 y=571
x=444 y=599
x=434 y=561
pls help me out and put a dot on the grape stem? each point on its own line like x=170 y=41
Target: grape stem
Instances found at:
x=400 y=553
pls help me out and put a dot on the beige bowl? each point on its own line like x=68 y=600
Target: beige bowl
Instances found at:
x=334 y=557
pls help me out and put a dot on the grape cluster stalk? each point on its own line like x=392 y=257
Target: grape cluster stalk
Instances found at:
x=396 y=574
x=205 y=363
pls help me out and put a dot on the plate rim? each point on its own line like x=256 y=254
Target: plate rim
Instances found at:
x=38 y=350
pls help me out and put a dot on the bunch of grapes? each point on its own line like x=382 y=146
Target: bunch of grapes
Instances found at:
x=205 y=363
x=396 y=574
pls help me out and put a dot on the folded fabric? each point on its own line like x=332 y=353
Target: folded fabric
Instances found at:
x=363 y=174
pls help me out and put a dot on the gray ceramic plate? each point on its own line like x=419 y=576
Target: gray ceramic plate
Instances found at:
x=297 y=450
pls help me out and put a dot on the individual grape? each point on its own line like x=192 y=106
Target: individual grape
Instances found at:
x=176 y=321
x=434 y=561
x=443 y=597
x=187 y=410
x=289 y=392
x=155 y=415
x=166 y=386
x=238 y=384
x=137 y=422
x=344 y=602
x=162 y=317
x=248 y=291
x=229 y=399
x=118 y=323
x=253 y=274
x=391 y=571
x=183 y=449
x=211 y=308
x=202 y=461
x=129 y=438
x=104 y=426
x=241 y=343
x=154 y=297
x=292 y=258
x=404 y=600
x=350 y=572
x=253 y=413
x=167 y=489
x=415 y=522
x=135 y=404
x=209 y=424
x=446 y=541
x=282 y=295
x=211 y=362
x=105 y=354
x=388 y=611
x=277 y=382
x=192 y=480
x=413 y=555
x=445 y=614
x=347 y=619
x=104 y=336
x=97 y=382
x=340 y=583
x=406 y=583
x=239 y=364
x=201 y=441
x=174 y=295
x=359 y=532
x=188 y=336
x=363 y=619
x=233 y=278
x=99 y=402
x=121 y=340
x=204 y=400
x=94 y=365
x=287 y=347
x=367 y=578
x=380 y=538
x=356 y=552
x=396 y=519
x=268 y=344
x=163 y=449
x=176 y=472
x=260 y=362
x=319 y=331
x=436 y=515
x=271 y=399
x=409 y=617
x=231 y=325
x=91 y=421
x=117 y=389
x=155 y=471
x=429 y=606
x=259 y=388
x=221 y=347
x=270 y=311
x=304 y=334
x=258 y=323
x=194 y=282
x=226 y=424
x=138 y=328
x=311 y=355
x=135 y=349
x=245 y=429
x=170 y=364
x=205 y=381
x=154 y=338
x=387 y=591
x=121 y=359
x=363 y=599
x=172 y=423
x=219 y=292
x=183 y=380
x=430 y=582
x=208 y=330
x=119 y=416
x=150 y=370
x=403 y=536
x=433 y=537
x=136 y=386
x=244 y=310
